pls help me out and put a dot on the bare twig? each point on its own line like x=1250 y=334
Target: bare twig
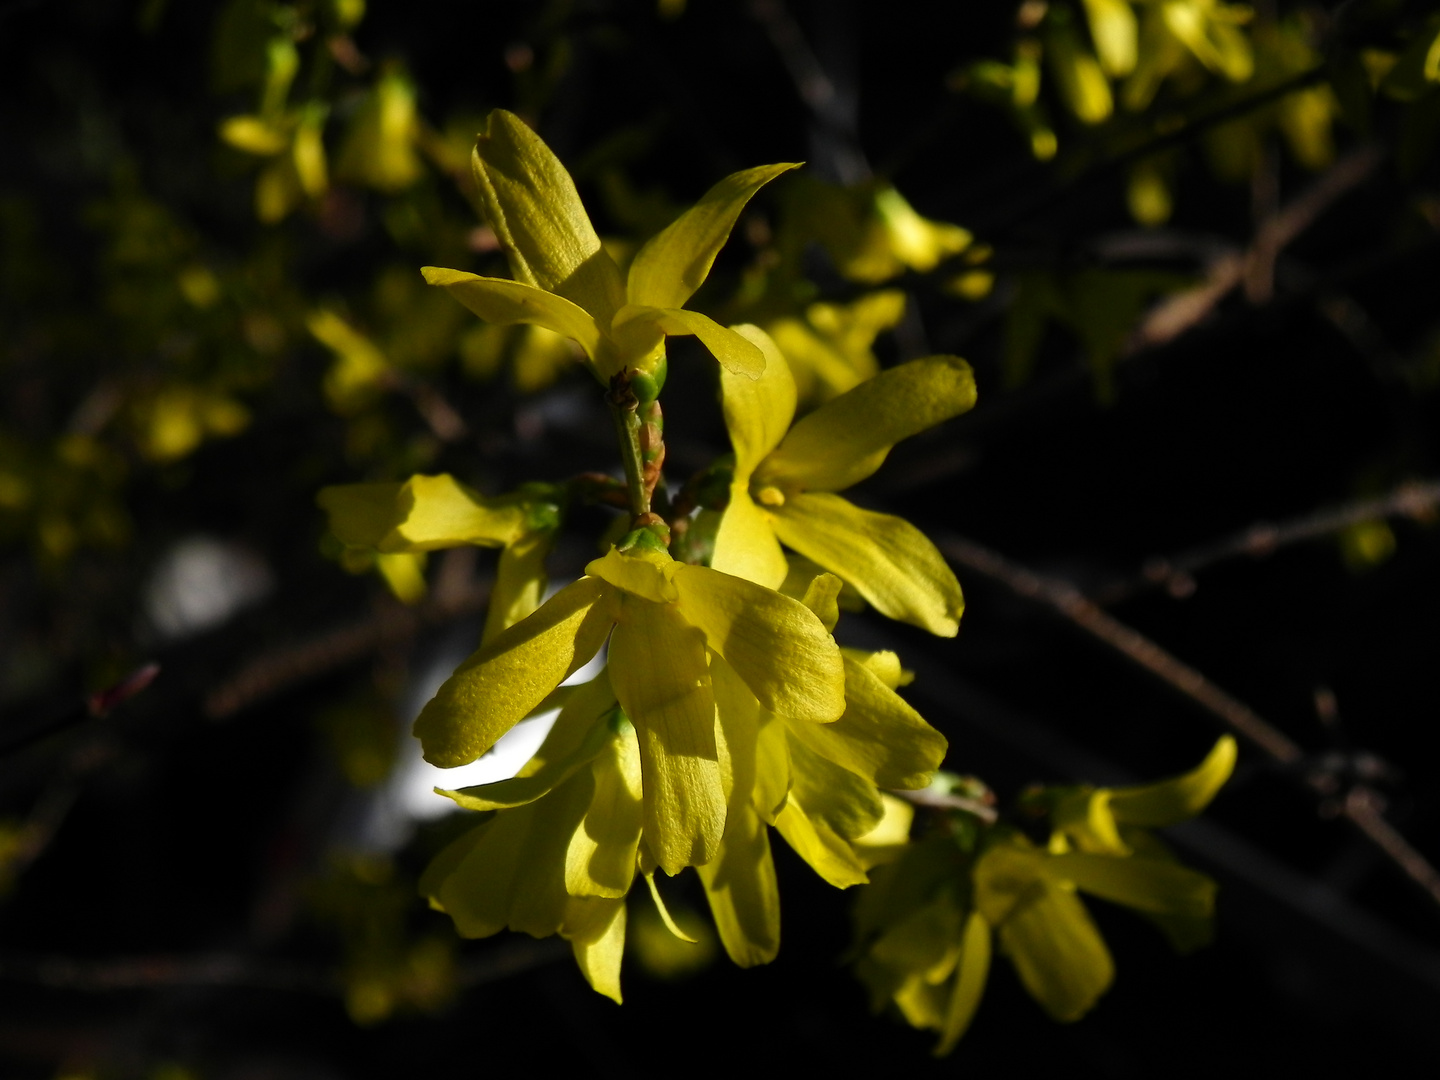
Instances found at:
x=1178 y=313
x=943 y=801
x=1419 y=500
x=393 y=625
x=1362 y=804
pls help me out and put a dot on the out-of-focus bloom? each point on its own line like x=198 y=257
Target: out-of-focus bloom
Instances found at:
x=565 y=281
x=427 y=513
x=670 y=623
x=828 y=349
x=379 y=150
x=786 y=477
x=924 y=925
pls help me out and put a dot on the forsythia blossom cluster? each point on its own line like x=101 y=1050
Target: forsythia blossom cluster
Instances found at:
x=725 y=706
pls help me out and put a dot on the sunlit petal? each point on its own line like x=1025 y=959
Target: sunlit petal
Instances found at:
x=757 y=411
x=673 y=264
x=510 y=674
x=531 y=203
x=847 y=438
x=775 y=644
x=889 y=561
x=658 y=668
x=503 y=302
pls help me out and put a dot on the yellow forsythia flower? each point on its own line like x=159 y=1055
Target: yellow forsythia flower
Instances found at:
x=566 y=282
x=786 y=478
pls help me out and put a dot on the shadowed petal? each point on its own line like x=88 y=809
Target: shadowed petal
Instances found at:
x=510 y=674
x=506 y=302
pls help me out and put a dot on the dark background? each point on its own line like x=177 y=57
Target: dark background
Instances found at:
x=187 y=837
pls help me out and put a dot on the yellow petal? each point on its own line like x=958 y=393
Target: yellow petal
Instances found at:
x=745 y=543
x=743 y=893
x=773 y=775
x=926 y=943
x=889 y=561
x=849 y=804
x=822 y=596
x=1057 y=952
x=1161 y=888
x=520 y=582
x=424 y=513
x=672 y=265
x=510 y=674
x=580 y=707
x=531 y=203
x=880 y=737
x=519 y=790
x=736 y=353
x=598 y=941
x=775 y=644
x=505 y=302
x=757 y=411
x=658 y=669
x=974 y=968
x=601 y=858
x=646 y=574
x=254 y=135
x=828 y=854
x=847 y=438
x=1172 y=801
x=1086 y=818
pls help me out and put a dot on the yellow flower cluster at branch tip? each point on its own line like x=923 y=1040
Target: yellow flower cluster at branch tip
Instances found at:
x=786 y=479
x=565 y=281
x=925 y=924
x=666 y=623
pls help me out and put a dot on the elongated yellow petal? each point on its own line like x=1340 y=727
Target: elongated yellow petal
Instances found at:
x=519 y=583
x=828 y=854
x=773 y=775
x=1162 y=888
x=519 y=790
x=847 y=438
x=736 y=353
x=513 y=872
x=880 y=737
x=1057 y=952
x=505 y=302
x=745 y=543
x=531 y=203
x=601 y=858
x=424 y=513
x=596 y=929
x=673 y=264
x=775 y=644
x=926 y=943
x=510 y=674
x=1172 y=801
x=743 y=893
x=757 y=411
x=974 y=969
x=889 y=561
x=847 y=803
x=658 y=669
x=1085 y=818
x=580 y=707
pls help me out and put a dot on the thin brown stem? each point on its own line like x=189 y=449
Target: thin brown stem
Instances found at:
x=1361 y=805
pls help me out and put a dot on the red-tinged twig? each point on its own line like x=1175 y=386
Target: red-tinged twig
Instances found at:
x=1361 y=805
x=92 y=707
x=1418 y=500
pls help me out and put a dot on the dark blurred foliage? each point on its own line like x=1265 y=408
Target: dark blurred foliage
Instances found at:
x=194 y=884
